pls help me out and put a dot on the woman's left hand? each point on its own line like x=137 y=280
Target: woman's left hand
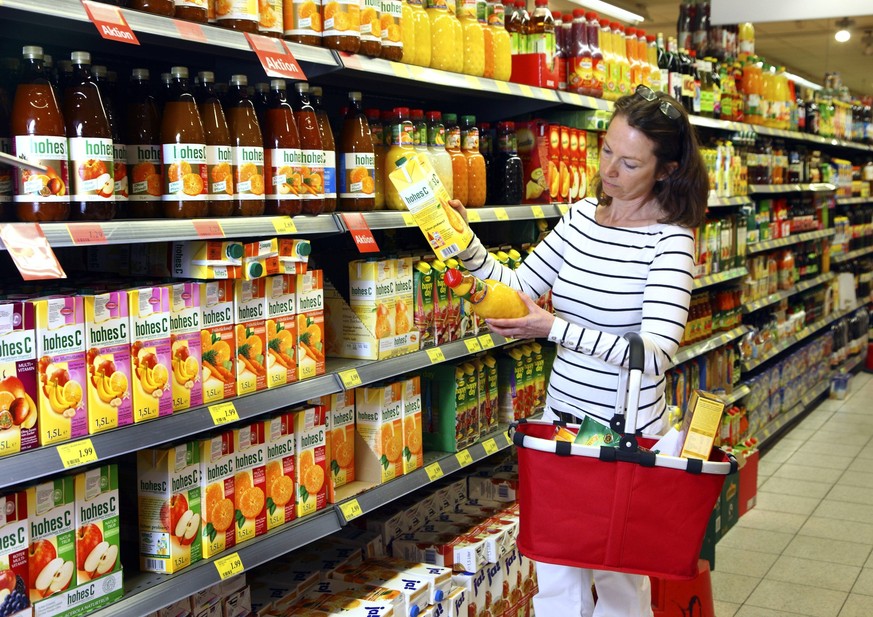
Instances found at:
x=536 y=324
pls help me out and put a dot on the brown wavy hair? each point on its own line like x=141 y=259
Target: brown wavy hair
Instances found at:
x=682 y=194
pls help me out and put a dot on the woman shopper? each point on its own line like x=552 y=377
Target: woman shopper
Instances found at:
x=616 y=264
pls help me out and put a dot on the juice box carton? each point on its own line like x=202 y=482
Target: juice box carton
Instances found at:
x=533 y=149
x=208 y=252
x=294 y=255
x=539 y=374
x=18 y=389
x=554 y=172
x=185 y=345
x=217 y=341
x=529 y=379
x=217 y=491
x=445 y=404
x=281 y=330
x=281 y=477
x=310 y=430
x=379 y=440
x=423 y=303
x=309 y=299
x=150 y=352
x=471 y=410
x=14 y=563
x=51 y=558
x=341 y=440
x=60 y=346
x=250 y=481
x=107 y=339
x=251 y=334
x=455 y=308
x=371 y=295
x=573 y=165
x=592 y=159
x=510 y=376
x=489 y=370
x=413 y=457
x=566 y=178
x=170 y=507
x=98 y=536
x=441 y=304
x=403 y=295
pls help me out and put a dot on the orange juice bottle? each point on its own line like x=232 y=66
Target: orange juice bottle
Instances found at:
x=377 y=133
x=459 y=161
x=401 y=146
x=407 y=32
x=371 y=28
x=474 y=39
x=619 y=49
x=342 y=25
x=302 y=21
x=421 y=24
x=391 y=24
x=482 y=11
x=457 y=51
x=488 y=298
x=501 y=43
x=476 y=180
x=442 y=32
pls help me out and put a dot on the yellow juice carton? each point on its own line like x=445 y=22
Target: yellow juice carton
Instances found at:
x=14 y=540
x=379 y=440
x=251 y=330
x=310 y=429
x=18 y=389
x=98 y=529
x=107 y=338
x=340 y=409
x=309 y=299
x=280 y=470
x=249 y=481
x=217 y=493
x=371 y=295
x=51 y=558
x=294 y=255
x=185 y=345
x=62 y=375
x=217 y=341
x=403 y=295
x=208 y=252
x=281 y=330
x=426 y=198
x=150 y=352
x=423 y=302
x=170 y=507
x=413 y=457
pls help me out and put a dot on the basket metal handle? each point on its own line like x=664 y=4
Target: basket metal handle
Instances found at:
x=625 y=420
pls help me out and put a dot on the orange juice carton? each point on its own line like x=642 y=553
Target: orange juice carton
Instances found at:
x=593 y=140
x=150 y=352
x=379 y=436
x=14 y=559
x=107 y=339
x=309 y=297
x=423 y=303
x=281 y=330
x=414 y=589
x=98 y=530
x=554 y=172
x=533 y=149
x=18 y=389
x=51 y=558
x=403 y=296
x=62 y=374
x=281 y=469
x=217 y=491
x=217 y=341
x=170 y=507
x=310 y=429
x=439 y=579
x=185 y=350
x=208 y=252
x=294 y=255
x=250 y=481
x=455 y=604
x=340 y=410
x=441 y=304
x=251 y=330
x=413 y=456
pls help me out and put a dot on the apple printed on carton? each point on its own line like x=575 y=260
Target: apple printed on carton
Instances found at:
x=14 y=540
x=97 y=523
x=51 y=558
x=18 y=409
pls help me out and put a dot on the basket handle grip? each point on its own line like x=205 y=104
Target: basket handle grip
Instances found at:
x=636 y=363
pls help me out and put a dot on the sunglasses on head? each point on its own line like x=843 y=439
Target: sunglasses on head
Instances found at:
x=666 y=107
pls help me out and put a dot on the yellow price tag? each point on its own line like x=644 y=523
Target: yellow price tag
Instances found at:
x=436 y=355
x=400 y=69
x=229 y=566
x=501 y=214
x=490 y=446
x=351 y=509
x=503 y=87
x=538 y=212
x=525 y=90
x=473 y=82
x=77 y=453
x=433 y=471
x=486 y=341
x=473 y=345
x=223 y=413
x=473 y=216
x=464 y=458
x=563 y=208
x=284 y=225
x=408 y=219
x=350 y=378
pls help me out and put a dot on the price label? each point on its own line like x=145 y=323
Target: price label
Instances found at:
x=361 y=234
x=275 y=57
x=208 y=228
x=284 y=225
x=503 y=87
x=525 y=89
x=110 y=23
x=473 y=216
x=473 y=345
x=77 y=453
x=86 y=233
x=563 y=208
x=490 y=446
x=350 y=378
x=223 y=413
x=436 y=355
x=408 y=219
x=229 y=566
x=486 y=341
x=31 y=252
x=537 y=212
x=464 y=458
x=433 y=471
x=189 y=31
x=351 y=509
x=473 y=82
x=400 y=70
x=501 y=214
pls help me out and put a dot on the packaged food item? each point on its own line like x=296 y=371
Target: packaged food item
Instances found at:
x=701 y=424
x=51 y=558
x=283 y=158
x=312 y=152
x=342 y=25
x=15 y=533
x=217 y=340
x=18 y=390
x=219 y=174
x=394 y=30
x=150 y=352
x=413 y=456
x=357 y=169
x=247 y=150
x=423 y=303
x=249 y=481
x=340 y=409
x=185 y=349
x=241 y=15
x=310 y=426
x=251 y=328
x=379 y=420
x=281 y=330
x=98 y=528
x=217 y=493
x=310 y=323
x=302 y=21
x=107 y=331
x=281 y=473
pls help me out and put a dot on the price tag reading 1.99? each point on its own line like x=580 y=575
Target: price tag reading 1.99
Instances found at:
x=351 y=509
x=77 y=453
x=490 y=446
x=229 y=566
x=433 y=471
x=350 y=378
x=464 y=458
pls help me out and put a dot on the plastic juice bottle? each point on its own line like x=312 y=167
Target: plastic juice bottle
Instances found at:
x=119 y=150
x=619 y=51
x=421 y=25
x=652 y=58
x=302 y=21
x=342 y=25
x=402 y=146
x=482 y=10
x=282 y=155
x=92 y=191
x=638 y=59
x=512 y=24
x=39 y=135
x=436 y=149
x=457 y=61
x=611 y=67
x=477 y=180
x=419 y=131
x=143 y=141
x=561 y=49
x=377 y=135
x=158 y=7
x=192 y=10
x=407 y=33
x=631 y=71
x=219 y=174
x=488 y=298
x=501 y=43
x=460 y=189
x=329 y=145
x=542 y=31
x=311 y=146
x=442 y=33
x=783 y=95
x=580 y=72
x=526 y=38
x=506 y=177
x=474 y=39
x=746 y=40
x=371 y=28
x=391 y=30
x=358 y=160
x=598 y=68
x=751 y=85
x=247 y=150
x=241 y=15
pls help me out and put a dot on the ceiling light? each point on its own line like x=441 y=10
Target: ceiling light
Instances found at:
x=611 y=10
x=842 y=35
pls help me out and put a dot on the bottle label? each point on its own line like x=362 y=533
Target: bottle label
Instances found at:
x=598 y=70
x=402 y=135
x=270 y=18
x=478 y=291
x=330 y=173
x=470 y=141
x=453 y=139
x=377 y=134
x=5 y=172
x=390 y=22
x=371 y=25
x=357 y=175
x=119 y=153
x=218 y=173
x=515 y=43
x=747 y=46
x=236 y=9
x=91 y=173
x=286 y=181
x=197 y=4
x=342 y=18
x=436 y=136
x=302 y=18
x=248 y=172
x=440 y=5
x=753 y=104
x=184 y=172
x=312 y=171
x=688 y=86
x=144 y=171
x=581 y=74
x=561 y=67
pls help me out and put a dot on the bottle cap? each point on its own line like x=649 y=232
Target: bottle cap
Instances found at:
x=453 y=277
x=416 y=114
x=373 y=114
x=166 y=78
x=301 y=87
x=557 y=15
x=315 y=90
x=434 y=115
x=631 y=31
x=32 y=51
x=470 y=120
x=578 y=13
x=180 y=72
x=235 y=250
x=262 y=87
x=277 y=84
x=206 y=77
x=401 y=112
x=80 y=57
x=256 y=270
x=506 y=126
x=239 y=80
x=590 y=15
x=400 y=162
x=450 y=119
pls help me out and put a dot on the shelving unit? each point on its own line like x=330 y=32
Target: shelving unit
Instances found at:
x=768 y=189
x=841 y=257
x=392 y=219
x=720 y=277
x=785 y=418
x=848 y=201
x=724 y=202
x=714 y=342
x=767 y=245
x=739 y=392
x=755 y=305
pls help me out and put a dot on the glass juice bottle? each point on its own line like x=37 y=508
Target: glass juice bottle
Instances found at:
x=158 y=7
x=402 y=145
x=219 y=176
x=247 y=149
x=329 y=146
x=357 y=172
x=302 y=21
x=342 y=25
x=371 y=28
x=143 y=141
x=312 y=170
x=282 y=155
x=191 y=10
x=377 y=134
x=392 y=33
x=119 y=150
x=241 y=15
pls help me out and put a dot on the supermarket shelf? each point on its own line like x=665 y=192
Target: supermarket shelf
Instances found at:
x=720 y=277
x=390 y=219
x=767 y=245
x=784 y=419
x=750 y=307
x=866 y=277
x=738 y=393
x=722 y=125
x=846 y=201
x=713 y=342
x=841 y=257
x=815 y=139
x=852 y=363
x=588 y=102
x=722 y=202
x=820 y=187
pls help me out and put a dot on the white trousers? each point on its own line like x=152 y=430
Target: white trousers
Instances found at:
x=566 y=592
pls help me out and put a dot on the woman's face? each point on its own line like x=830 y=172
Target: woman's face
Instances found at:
x=628 y=166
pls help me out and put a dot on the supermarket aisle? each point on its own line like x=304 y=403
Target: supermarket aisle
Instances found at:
x=807 y=547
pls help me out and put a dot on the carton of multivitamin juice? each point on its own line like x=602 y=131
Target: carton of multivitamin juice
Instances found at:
x=280 y=471
x=98 y=531
x=249 y=481
x=18 y=390
x=150 y=351
x=251 y=346
x=185 y=345
x=51 y=559
x=107 y=338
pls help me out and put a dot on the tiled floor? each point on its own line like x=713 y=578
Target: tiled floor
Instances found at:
x=807 y=547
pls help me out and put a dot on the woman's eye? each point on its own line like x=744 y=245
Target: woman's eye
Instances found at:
x=629 y=166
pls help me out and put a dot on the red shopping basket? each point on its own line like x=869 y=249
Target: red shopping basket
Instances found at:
x=614 y=508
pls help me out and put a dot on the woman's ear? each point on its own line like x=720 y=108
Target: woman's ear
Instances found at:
x=669 y=168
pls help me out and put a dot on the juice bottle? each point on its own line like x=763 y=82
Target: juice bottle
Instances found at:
x=407 y=32
x=502 y=46
x=442 y=32
x=241 y=15
x=422 y=26
x=769 y=106
x=476 y=177
x=752 y=89
x=392 y=31
x=634 y=69
x=358 y=160
x=419 y=131
x=270 y=18
x=92 y=194
x=312 y=150
x=488 y=298
x=247 y=150
x=401 y=146
x=371 y=28
x=218 y=153
x=525 y=35
x=39 y=136
x=506 y=176
x=580 y=73
x=282 y=155
x=652 y=58
x=512 y=24
x=482 y=10
x=379 y=150
x=329 y=146
x=746 y=38
x=119 y=150
x=459 y=161
x=302 y=21
x=598 y=68
x=183 y=145
x=561 y=48
x=611 y=68
x=619 y=51
x=542 y=29
x=456 y=62
x=436 y=150
x=143 y=141
x=342 y=25
x=191 y=10
x=158 y=7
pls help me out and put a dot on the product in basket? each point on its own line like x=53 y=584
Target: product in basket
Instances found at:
x=107 y=327
x=51 y=558
x=701 y=425
x=18 y=389
x=217 y=493
x=14 y=560
x=562 y=433
x=150 y=352
x=217 y=340
x=98 y=528
x=249 y=481
x=310 y=429
x=593 y=433
x=185 y=343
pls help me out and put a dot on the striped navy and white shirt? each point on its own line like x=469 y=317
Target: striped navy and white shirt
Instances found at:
x=605 y=282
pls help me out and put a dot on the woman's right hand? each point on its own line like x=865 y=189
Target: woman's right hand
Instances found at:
x=459 y=208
